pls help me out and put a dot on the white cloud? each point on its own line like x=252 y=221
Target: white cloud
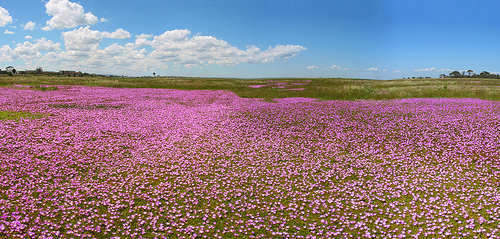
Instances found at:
x=373 y=69
x=67 y=14
x=282 y=51
x=142 y=40
x=433 y=69
x=5 y=17
x=427 y=69
x=82 y=39
x=334 y=67
x=8 y=32
x=43 y=44
x=28 y=51
x=28 y=37
x=171 y=36
x=6 y=53
x=29 y=26
x=312 y=67
x=118 y=34
x=104 y=20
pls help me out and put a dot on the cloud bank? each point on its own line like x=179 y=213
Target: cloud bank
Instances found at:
x=176 y=47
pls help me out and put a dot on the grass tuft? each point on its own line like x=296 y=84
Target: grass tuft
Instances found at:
x=16 y=115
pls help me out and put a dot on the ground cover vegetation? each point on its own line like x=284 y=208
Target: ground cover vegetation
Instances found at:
x=144 y=163
x=323 y=89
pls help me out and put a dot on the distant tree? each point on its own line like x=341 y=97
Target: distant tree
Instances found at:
x=154 y=73
x=455 y=74
x=470 y=72
x=442 y=76
x=39 y=70
x=484 y=74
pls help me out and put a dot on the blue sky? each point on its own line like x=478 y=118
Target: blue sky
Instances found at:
x=251 y=39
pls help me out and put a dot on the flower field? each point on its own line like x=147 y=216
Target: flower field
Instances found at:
x=95 y=162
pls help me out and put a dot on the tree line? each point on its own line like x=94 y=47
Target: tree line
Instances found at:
x=470 y=74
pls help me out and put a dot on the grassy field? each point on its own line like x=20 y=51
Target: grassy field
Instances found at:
x=319 y=88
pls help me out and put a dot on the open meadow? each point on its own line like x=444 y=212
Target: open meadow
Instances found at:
x=318 y=88
x=257 y=158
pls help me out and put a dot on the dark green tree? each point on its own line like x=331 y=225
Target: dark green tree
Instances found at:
x=484 y=74
x=455 y=74
x=470 y=72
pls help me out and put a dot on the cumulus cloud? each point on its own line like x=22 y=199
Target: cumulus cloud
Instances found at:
x=142 y=40
x=42 y=44
x=288 y=51
x=283 y=51
x=432 y=69
x=67 y=14
x=426 y=69
x=104 y=20
x=375 y=69
x=6 y=53
x=27 y=50
x=118 y=34
x=8 y=32
x=82 y=39
x=312 y=67
x=28 y=37
x=29 y=26
x=171 y=36
x=5 y=17
x=334 y=67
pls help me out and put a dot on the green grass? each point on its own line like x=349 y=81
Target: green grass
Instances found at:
x=16 y=115
x=319 y=88
x=43 y=88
